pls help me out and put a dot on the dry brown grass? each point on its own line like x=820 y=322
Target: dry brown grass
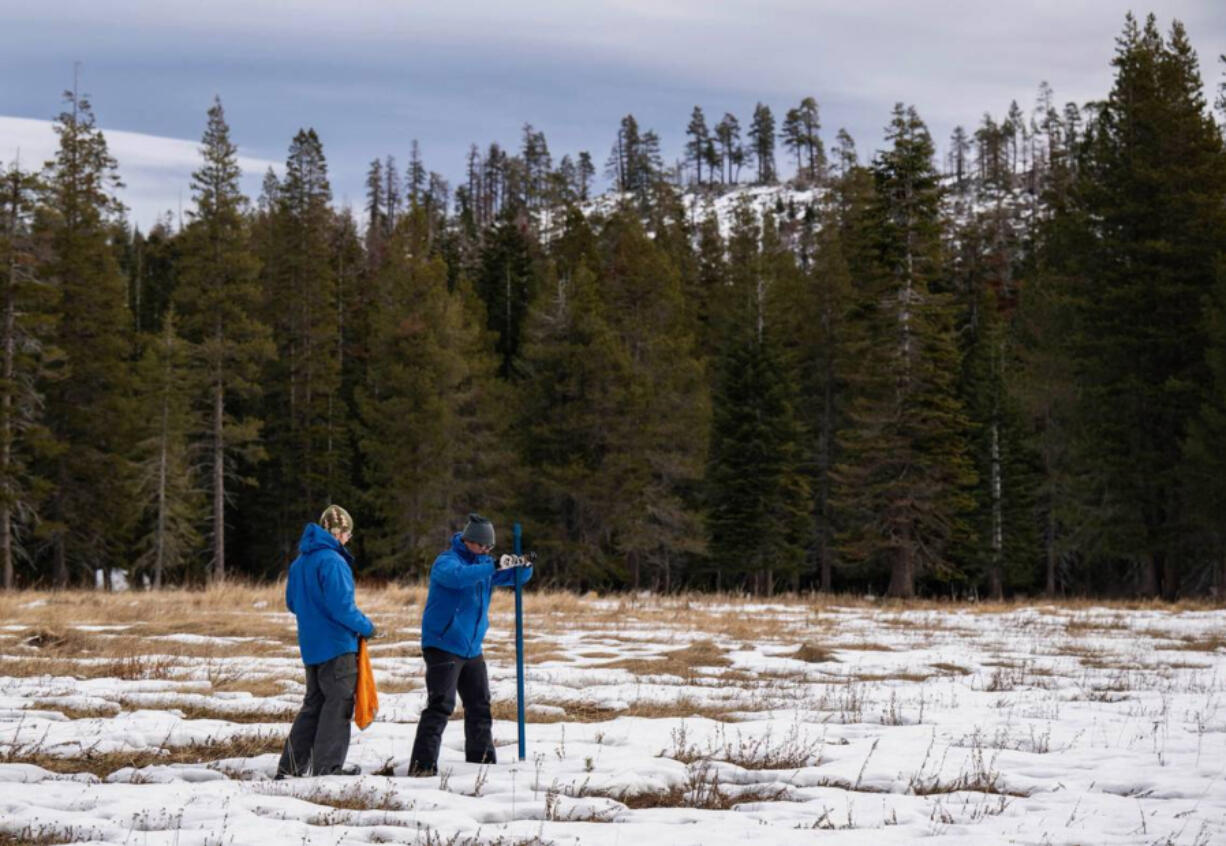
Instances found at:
x=244 y=623
x=132 y=667
x=1110 y=663
x=1206 y=642
x=951 y=669
x=103 y=764
x=587 y=712
x=66 y=650
x=1078 y=625
x=354 y=797
x=398 y=685
x=537 y=652
x=674 y=662
x=865 y=676
x=258 y=686
x=99 y=607
x=97 y=712
x=189 y=709
x=235 y=609
x=199 y=711
x=47 y=835
x=740 y=678
x=702 y=790
x=814 y=654
x=796 y=749
x=1075 y=649
x=864 y=646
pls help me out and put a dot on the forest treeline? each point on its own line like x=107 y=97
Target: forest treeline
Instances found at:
x=1002 y=373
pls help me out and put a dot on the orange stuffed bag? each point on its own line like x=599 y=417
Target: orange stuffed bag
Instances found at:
x=366 y=697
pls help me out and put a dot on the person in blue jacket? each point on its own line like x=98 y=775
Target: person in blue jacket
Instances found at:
x=453 y=626
x=319 y=592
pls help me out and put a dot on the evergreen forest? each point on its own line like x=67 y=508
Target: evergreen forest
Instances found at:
x=774 y=364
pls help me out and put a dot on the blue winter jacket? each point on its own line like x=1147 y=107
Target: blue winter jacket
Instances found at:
x=320 y=594
x=458 y=604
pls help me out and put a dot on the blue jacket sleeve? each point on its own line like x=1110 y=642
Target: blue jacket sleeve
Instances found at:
x=507 y=576
x=337 y=584
x=289 y=602
x=452 y=573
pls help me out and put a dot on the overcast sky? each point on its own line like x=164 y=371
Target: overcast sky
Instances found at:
x=371 y=75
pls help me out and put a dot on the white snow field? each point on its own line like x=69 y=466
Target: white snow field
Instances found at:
x=151 y=719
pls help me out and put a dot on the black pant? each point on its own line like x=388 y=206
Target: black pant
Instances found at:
x=319 y=738
x=445 y=675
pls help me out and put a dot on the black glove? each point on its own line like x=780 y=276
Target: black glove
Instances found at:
x=375 y=632
x=506 y=562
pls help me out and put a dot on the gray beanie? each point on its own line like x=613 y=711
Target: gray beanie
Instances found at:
x=479 y=530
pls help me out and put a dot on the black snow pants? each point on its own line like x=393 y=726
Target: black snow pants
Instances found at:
x=445 y=675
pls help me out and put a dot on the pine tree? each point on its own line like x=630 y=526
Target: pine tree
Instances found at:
x=757 y=493
x=415 y=180
x=151 y=264
x=300 y=306
x=1007 y=468
x=758 y=496
x=988 y=255
x=762 y=137
x=351 y=315
x=537 y=164
x=1154 y=195
x=655 y=444
x=622 y=156
x=959 y=147
x=901 y=484
x=1046 y=392
x=793 y=138
x=811 y=308
x=218 y=299
x=1206 y=433
x=392 y=203
x=429 y=406
x=801 y=128
x=89 y=511
x=714 y=162
x=507 y=281
x=700 y=136
x=168 y=493
x=376 y=232
x=1205 y=467
x=586 y=174
x=708 y=290
x=26 y=330
x=732 y=154
x=649 y=167
x=563 y=183
x=574 y=384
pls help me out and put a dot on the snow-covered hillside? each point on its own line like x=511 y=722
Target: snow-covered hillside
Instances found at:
x=785 y=201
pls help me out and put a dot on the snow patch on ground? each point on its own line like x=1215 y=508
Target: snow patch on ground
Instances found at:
x=855 y=725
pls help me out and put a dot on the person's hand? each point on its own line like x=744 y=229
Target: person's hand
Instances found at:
x=376 y=632
x=507 y=562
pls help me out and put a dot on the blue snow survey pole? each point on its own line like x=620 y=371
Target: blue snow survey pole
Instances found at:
x=519 y=641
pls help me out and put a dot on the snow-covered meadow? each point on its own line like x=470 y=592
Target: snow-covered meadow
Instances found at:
x=155 y=719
